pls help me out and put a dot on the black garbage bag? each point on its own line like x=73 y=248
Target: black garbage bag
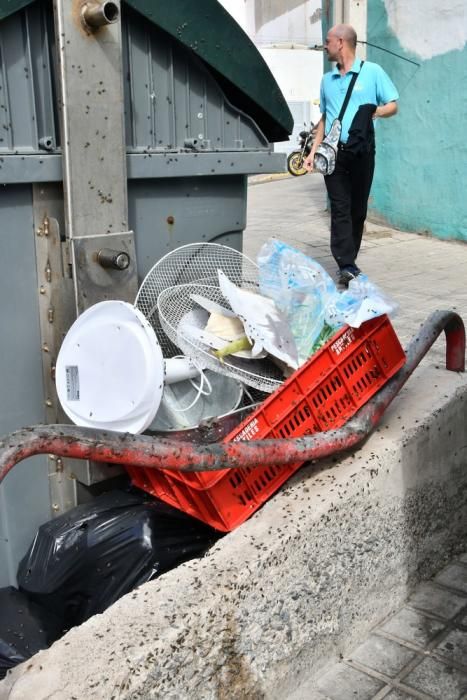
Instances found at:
x=25 y=628
x=83 y=561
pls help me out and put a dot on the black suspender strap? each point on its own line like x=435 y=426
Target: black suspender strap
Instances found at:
x=349 y=92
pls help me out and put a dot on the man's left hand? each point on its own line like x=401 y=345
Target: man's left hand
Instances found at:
x=387 y=110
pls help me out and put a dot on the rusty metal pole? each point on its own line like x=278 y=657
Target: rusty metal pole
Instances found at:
x=139 y=450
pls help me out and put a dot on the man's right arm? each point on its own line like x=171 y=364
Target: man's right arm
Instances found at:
x=319 y=136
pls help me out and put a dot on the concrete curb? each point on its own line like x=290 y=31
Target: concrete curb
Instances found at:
x=301 y=582
x=260 y=179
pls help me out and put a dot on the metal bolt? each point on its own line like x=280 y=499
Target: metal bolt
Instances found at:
x=48 y=403
x=116 y=259
x=45 y=347
x=42 y=290
x=55 y=507
x=50 y=315
x=46 y=143
x=43 y=229
x=99 y=14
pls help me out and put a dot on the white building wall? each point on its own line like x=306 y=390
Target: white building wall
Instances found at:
x=278 y=21
x=441 y=27
x=274 y=26
x=238 y=10
x=298 y=73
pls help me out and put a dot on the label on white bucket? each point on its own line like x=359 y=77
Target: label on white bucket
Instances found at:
x=72 y=383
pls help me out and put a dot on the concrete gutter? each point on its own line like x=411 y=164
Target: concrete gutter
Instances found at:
x=300 y=583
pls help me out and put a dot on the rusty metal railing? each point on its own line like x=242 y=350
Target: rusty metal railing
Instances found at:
x=144 y=451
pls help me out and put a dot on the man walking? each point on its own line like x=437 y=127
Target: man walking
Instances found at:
x=372 y=95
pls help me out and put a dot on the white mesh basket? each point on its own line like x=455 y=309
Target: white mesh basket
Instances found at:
x=178 y=313
x=198 y=263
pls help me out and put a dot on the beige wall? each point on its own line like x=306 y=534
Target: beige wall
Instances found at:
x=278 y=21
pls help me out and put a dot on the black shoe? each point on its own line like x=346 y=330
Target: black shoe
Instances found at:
x=347 y=274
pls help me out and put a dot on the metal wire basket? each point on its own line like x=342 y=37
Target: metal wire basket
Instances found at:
x=192 y=263
x=180 y=316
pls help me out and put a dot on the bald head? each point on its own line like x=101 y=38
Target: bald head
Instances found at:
x=345 y=32
x=341 y=43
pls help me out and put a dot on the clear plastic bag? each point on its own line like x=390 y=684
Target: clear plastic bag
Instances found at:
x=302 y=290
x=310 y=300
x=362 y=301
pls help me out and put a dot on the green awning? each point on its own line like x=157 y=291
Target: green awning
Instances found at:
x=9 y=7
x=206 y=28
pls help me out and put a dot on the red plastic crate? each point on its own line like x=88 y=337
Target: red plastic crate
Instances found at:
x=321 y=395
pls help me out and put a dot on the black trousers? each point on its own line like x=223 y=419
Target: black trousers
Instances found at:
x=348 y=190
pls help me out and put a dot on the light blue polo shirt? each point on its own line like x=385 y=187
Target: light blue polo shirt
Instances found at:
x=373 y=86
